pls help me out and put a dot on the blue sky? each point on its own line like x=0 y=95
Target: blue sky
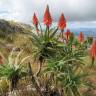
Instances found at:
x=75 y=10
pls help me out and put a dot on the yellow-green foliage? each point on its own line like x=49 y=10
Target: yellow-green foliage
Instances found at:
x=3 y=85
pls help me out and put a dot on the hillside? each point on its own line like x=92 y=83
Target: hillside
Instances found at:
x=8 y=27
x=12 y=36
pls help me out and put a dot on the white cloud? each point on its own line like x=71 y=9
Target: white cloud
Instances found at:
x=22 y=10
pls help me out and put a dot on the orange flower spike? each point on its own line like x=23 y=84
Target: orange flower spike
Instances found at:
x=62 y=22
x=93 y=50
x=35 y=21
x=81 y=37
x=67 y=34
x=47 y=20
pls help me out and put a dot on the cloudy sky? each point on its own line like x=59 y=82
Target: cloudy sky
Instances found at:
x=74 y=10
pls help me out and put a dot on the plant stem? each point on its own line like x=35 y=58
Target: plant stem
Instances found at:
x=39 y=70
x=34 y=81
x=92 y=64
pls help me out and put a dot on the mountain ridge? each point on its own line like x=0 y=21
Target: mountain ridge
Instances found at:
x=8 y=27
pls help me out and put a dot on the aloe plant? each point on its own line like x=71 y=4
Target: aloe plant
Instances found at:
x=45 y=45
x=67 y=67
x=13 y=70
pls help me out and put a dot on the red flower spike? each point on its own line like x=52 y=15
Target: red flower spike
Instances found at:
x=93 y=50
x=62 y=22
x=67 y=34
x=81 y=37
x=47 y=20
x=35 y=20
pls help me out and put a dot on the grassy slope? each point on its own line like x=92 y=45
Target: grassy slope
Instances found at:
x=12 y=34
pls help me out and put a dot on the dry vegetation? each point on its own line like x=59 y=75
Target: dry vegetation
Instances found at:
x=19 y=41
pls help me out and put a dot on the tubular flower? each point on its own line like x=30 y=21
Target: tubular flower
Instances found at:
x=47 y=20
x=35 y=21
x=67 y=34
x=81 y=37
x=93 y=50
x=62 y=22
